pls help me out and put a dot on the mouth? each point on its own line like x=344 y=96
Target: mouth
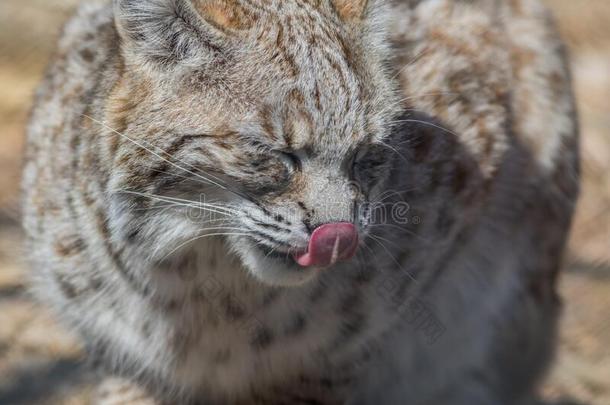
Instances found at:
x=329 y=244
x=287 y=265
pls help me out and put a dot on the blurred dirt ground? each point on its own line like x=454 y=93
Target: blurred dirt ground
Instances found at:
x=40 y=363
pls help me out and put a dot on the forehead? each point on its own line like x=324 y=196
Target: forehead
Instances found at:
x=324 y=100
x=309 y=119
x=297 y=81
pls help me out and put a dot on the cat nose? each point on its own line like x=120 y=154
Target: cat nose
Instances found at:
x=329 y=244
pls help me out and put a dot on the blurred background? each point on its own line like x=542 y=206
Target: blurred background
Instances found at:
x=40 y=362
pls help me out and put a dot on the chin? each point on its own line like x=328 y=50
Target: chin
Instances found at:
x=273 y=268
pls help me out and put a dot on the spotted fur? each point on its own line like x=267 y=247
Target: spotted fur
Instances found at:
x=180 y=150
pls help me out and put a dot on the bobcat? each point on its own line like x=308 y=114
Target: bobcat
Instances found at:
x=305 y=201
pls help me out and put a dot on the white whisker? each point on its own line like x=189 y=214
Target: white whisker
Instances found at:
x=201 y=237
x=394 y=260
x=156 y=154
x=220 y=209
x=416 y=96
x=427 y=123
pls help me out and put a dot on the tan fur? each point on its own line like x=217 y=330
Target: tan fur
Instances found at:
x=350 y=10
x=223 y=14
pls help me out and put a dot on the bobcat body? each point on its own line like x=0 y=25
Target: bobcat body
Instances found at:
x=191 y=165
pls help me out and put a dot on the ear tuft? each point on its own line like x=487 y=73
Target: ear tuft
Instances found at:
x=350 y=10
x=223 y=14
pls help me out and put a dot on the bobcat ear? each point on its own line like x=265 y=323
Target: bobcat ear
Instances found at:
x=350 y=10
x=170 y=31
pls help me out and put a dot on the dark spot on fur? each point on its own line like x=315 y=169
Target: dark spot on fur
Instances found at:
x=66 y=287
x=460 y=178
x=172 y=305
x=96 y=283
x=233 y=309
x=132 y=236
x=297 y=325
x=87 y=55
x=262 y=339
x=69 y=246
x=351 y=302
x=280 y=218
x=270 y=297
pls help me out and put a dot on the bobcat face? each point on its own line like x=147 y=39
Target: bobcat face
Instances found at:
x=269 y=116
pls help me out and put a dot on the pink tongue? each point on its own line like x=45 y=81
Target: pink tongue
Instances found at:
x=329 y=244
